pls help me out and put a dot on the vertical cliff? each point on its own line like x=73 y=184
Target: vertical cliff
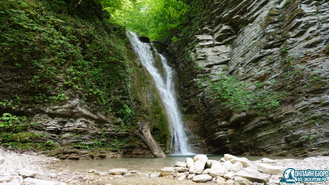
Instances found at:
x=253 y=76
x=70 y=83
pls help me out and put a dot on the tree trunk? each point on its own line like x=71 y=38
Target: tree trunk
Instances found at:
x=144 y=133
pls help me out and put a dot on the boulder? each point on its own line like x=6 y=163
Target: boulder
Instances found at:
x=200 y=157
x=181 y=169
x=250 y=177
x=209 y=163
x=269 y=169
x=118 y=171
x=220 y=180
x=166 y=171
x=206 y=171
x=190 y=176
x=217 y=169
x=229 y=175
x=237 y=167
x=228 y=165
x=234 y=159
x=199 y=165
x=222 y=159
x=182 y=177
x=202 y=178
x=242 y=181
x=181 y=164
x=144 y=39
x=190 y=164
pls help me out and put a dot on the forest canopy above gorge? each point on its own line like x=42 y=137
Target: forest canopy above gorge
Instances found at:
x=153 y=18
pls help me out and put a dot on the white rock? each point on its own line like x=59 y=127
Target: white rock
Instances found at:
x=181 y=164
x=189 y=161
x=209 y=163
x=238 y=166
x=220 y=180
x=91 y=171
x=202 y=178
x=250 y=177
x=118 y=171
x=26 y=173
x=222 y=160
x=167 y=171
x=229 y=175
x=182 y=177
x=181 y=169
x=155 y=174
x=199 y=165
x=117 y=176
x=230 y=182
x=103 y=173
x=206 y=171
x=234 y=159
x=190 y=176
x=242 y=181
x=269 y=169
x=31 y=181
x=217 y=169
x=228 y=165
x=200 y=157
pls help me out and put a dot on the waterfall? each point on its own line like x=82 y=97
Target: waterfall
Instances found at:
x=165 y=87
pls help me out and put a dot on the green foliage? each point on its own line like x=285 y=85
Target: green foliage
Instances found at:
x=155 y=19
x=238 y=96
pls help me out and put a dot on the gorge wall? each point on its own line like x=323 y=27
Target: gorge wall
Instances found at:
x=277 y=51
x=71 y=85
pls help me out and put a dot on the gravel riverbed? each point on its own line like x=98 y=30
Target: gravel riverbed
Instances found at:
x=31 y=168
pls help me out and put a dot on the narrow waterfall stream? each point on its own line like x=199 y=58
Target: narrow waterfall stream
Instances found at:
x=165 y=86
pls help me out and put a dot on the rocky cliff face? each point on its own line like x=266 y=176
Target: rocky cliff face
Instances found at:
x=70 y=83
x=275 y=50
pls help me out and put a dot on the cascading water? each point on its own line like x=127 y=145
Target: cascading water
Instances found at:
x=165 y=87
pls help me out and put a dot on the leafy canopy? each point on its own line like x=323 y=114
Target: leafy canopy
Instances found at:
x=153 y=18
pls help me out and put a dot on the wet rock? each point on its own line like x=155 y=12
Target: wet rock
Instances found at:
x=118 y=171
x=202 y=178
x=144 y=39
x=269 y=169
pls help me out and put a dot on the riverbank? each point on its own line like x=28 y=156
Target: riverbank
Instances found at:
x=29 y=168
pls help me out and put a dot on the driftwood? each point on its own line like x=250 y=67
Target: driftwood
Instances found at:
x=144 y=133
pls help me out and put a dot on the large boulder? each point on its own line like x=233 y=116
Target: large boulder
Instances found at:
x=234 y=159
x=217 y=169
x=238 y=166
x=202 y=178
x=199 y=165
x=190 y=164
x=269 y=169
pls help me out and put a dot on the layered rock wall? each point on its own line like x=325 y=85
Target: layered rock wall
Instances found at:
x=277 y=47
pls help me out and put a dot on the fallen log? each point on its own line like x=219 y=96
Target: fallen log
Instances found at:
x=144 y=133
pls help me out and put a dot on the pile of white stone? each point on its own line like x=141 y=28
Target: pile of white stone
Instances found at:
x=229 y=170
